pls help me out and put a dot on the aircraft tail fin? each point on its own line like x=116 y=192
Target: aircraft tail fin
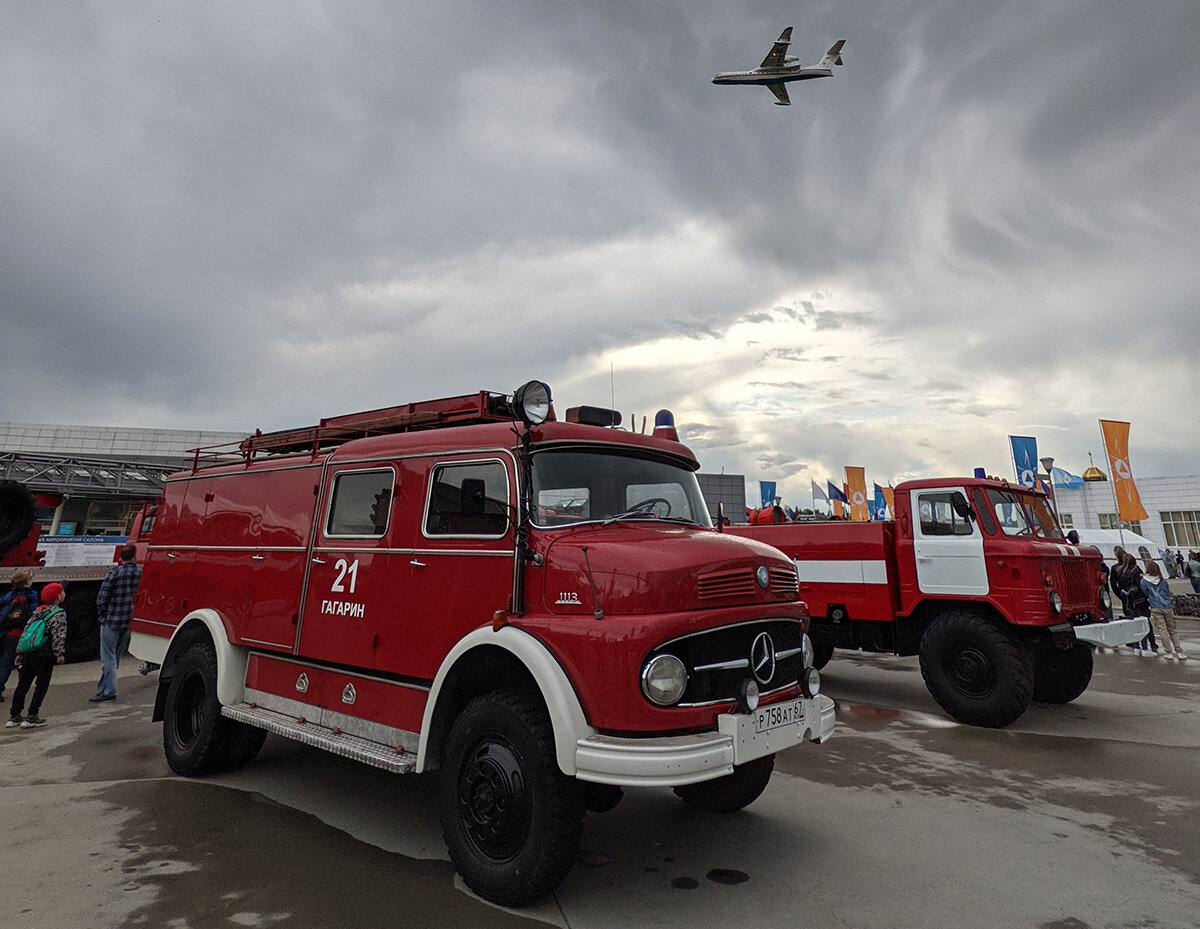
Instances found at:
x=833 y=56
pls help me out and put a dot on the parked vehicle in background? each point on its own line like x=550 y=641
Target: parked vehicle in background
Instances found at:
x=974 y=576
x=540 y=610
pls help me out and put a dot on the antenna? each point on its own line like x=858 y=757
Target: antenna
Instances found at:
x=612 y=388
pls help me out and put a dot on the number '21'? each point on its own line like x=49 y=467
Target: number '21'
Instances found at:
x=344 y=569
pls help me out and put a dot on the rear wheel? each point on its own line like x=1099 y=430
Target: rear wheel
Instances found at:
x=1060 y=675
x=195 y=734
x=977 y=670
x=733 y=791
x=512 y=821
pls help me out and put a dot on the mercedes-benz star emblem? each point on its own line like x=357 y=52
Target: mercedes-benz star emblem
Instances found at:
x=762 y=658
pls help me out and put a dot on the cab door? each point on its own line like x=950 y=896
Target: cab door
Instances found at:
x=947 y=543
x=348 y=598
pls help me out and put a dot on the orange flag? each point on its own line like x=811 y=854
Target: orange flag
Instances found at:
x=1116 y=444
x=856 y=483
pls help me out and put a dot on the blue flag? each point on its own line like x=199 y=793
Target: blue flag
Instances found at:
x=1025 y=459
x=879 y=507
x=767 y=490
x=818 y=493
x=1061 y=477
x=835 y=493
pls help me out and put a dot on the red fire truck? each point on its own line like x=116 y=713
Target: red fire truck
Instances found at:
x=975 y=577
x=540 y=610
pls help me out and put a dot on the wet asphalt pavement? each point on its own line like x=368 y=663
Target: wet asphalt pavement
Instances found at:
x=1078 y=817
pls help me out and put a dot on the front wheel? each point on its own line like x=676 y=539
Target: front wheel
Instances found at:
x=977 y=669
x=511 y=820
x=195 y=735
x=1060 y=675
x=733 y=791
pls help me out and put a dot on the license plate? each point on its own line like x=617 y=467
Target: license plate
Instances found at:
x=778 y=715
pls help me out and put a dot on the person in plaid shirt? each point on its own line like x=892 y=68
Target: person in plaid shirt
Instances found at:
x=114 y=604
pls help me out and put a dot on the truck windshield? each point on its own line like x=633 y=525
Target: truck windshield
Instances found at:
x=576 y=486
x=1024 y=514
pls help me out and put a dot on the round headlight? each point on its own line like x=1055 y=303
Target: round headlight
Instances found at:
x=763 y=576
x=1105 y=599
x=664 y=679
x=806 y=651
x=1055 y=601
x=810 y=682
x=531 y=402
x=748 y=695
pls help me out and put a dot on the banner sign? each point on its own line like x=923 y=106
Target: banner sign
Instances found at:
x=1025 y=459
x=1116 y=444
x=856 y=482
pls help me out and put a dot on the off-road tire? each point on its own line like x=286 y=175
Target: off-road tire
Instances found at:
x=977 y=669
x=17 y=513
x=196 y=737
x=1061 y=675
x=511 y=820
x=83 y=624
x=822 y=654
x=732 y=792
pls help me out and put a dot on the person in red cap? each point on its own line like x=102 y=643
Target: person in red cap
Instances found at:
x=37 y=665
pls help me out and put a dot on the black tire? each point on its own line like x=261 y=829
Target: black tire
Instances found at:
x=1060 y=675
x=243 y=744
x=978 y=671
x=732 y=792
x=822 y=654
x=511 y=820
x=196 y=737
x=17 y=513
x=83 y=625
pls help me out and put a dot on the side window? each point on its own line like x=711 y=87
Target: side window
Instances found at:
x=985 y=513
x=361 y=503
x=468 y=499
x=944 y=513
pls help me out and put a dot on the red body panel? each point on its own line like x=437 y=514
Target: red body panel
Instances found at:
x=386 y=607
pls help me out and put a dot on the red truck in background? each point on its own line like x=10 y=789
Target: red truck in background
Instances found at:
x=539 y=610
x=976 y=577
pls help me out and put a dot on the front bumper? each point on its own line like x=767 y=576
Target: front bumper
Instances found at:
x=1112 y=633
x=672 y=761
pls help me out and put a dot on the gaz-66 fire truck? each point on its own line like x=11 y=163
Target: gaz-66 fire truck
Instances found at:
x=540 y=610
x=975 y=577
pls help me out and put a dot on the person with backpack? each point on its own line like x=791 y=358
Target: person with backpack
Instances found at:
x=42 y=645
x=16 y=607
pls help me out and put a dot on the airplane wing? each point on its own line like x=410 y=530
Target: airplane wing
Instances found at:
x=778 y=51
x=781 y=94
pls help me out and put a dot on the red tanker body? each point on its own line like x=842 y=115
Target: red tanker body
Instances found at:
x=975 y=577
x=539 y=609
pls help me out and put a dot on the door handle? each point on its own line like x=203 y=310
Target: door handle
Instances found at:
x=172 y=555
x=258 y=557
x=318 y=560
x=417 y=564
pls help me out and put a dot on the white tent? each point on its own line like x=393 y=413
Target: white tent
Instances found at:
x=1137 y=545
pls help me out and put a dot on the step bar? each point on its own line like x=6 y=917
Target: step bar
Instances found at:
x=376 y=754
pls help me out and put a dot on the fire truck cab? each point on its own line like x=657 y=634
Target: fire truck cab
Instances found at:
x=539 y=610
x=976 y=577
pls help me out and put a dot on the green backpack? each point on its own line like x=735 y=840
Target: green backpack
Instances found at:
x=36 y=634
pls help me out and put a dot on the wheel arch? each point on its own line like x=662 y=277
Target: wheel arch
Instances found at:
x=488 y=660
x=205 y=626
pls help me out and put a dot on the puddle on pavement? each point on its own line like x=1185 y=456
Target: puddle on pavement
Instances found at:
x=218 y=856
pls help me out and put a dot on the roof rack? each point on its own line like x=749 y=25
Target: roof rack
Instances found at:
x=468 y=409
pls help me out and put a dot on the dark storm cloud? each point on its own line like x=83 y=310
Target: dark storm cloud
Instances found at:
x=231 y=215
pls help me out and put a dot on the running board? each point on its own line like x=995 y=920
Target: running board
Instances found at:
x=375 y=754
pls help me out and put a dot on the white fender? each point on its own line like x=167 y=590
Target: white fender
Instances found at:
x=566 y=715
x=231 y=659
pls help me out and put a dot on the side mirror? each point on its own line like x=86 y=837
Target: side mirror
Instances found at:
x=962 y=508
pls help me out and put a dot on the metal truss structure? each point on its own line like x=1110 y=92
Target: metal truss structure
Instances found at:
x=73 y=474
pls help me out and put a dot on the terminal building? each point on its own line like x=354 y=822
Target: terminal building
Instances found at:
x=1171 y=503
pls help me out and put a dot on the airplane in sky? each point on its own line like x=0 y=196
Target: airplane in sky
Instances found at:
x=779 y=67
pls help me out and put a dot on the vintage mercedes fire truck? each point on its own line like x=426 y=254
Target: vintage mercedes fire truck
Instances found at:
x=538 y=610
x=976 y=577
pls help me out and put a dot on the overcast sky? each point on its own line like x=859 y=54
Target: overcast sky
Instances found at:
x=236 y=215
